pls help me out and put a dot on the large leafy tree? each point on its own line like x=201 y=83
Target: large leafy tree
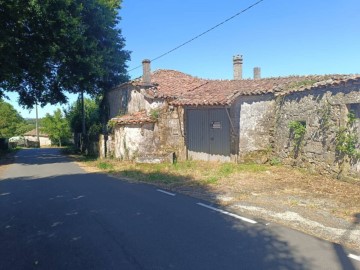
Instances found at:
x=57 y=127
x=50 y=47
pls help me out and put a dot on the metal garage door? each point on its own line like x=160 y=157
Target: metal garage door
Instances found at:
x=208 y=134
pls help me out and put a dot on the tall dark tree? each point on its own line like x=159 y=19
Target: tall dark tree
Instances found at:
x=50 y=47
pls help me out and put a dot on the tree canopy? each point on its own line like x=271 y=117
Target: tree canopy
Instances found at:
x=11 y=123
x=50 y=47
x=92 y=117
x=57 y=127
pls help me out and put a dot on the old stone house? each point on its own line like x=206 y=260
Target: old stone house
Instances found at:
x=296 y=120
x=44 y=139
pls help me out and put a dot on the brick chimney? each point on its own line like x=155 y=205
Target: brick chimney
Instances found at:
x=257 y=73
x=146 y=77
x=237 y=64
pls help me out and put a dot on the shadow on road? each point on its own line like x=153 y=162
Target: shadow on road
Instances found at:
x=38 y=156
x=341 y=254
x=93 y=221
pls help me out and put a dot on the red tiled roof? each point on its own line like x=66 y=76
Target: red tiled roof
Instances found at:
x=134 y=118
x=170 y=83
x=217 y=92
x=33 y=133
x=184 y=89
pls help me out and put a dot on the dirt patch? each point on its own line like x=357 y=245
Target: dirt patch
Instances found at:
x=319 y=205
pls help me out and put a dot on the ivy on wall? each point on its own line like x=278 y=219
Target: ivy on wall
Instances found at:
x=297 y=134
x=347 y=139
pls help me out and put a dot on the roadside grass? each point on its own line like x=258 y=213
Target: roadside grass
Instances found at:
x=189 y=173
x=266 y=185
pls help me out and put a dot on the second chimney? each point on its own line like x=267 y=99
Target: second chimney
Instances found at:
x=146 y=77
x=237 y=64
x=257 y=73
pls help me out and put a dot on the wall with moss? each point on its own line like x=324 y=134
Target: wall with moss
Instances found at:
x=323 y=112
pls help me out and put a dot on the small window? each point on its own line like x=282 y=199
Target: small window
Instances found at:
x=355 y=109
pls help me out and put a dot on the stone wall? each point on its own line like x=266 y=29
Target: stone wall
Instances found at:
x=323 y=112
x=253 y=119
x=129 y=142
x=171 y=131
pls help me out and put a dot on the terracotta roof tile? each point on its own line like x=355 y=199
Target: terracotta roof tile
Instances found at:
x=134 y=118
x=33 y=133
x=184 y=89
x=224 y=92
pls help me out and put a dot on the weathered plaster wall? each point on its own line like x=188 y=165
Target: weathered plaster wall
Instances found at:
x=138 y=102
x=253 y=118
x=128 y=99
x=132 y=141
x=324 y=111
x=155 y=139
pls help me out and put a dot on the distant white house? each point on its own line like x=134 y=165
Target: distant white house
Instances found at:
x=43 y=137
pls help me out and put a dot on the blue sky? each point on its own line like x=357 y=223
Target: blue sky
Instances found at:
x=282 y=37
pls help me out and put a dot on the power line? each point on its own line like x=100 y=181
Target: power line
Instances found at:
x=203 y=33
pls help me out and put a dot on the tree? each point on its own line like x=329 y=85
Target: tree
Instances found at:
x=50 y=47
x=92 y=117
x=57 y=127
x=11 y=123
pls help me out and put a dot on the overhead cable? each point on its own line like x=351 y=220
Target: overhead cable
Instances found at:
x=202 y=34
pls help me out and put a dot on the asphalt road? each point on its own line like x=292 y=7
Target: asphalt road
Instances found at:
x=53 y=215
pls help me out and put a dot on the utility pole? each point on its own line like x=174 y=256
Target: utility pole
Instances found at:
x=37 y=124
x=83 y=127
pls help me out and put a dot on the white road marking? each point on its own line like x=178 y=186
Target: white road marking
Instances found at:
x=79 y=197
x=352 y=256
x=165 y=192
x=228 y=213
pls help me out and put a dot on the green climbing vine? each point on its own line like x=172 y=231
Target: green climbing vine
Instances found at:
x=154 y=114
x=297 y=133
x=347 y=138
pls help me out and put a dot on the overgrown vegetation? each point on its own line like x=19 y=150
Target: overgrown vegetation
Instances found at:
x=300 y=84
x=154 y=114
x=297 y=133
x=347 y=139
